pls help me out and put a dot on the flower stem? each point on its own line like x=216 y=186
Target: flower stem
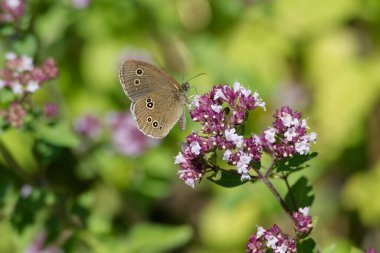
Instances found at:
x=13 y=163
x=275 y=193
x=293 y=199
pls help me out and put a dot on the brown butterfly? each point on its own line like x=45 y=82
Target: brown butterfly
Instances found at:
x=158 y=100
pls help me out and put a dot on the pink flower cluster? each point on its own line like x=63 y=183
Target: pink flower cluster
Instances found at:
x=14 y=115
x=22 y=77
x=270 y=239
x=220 y=113
x=287 y=136
x=303 y=221
x=126 y=138
x=11 y=10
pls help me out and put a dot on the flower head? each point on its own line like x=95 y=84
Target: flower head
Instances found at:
x=88 y=126
x=287 y=135
x=11 y=10
x=220 y=112
x=303 y=221
x=22 y=77
x=126 y=137
x=270 y=239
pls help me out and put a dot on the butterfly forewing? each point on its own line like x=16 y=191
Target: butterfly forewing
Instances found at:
x=140 y=78
x=155 y=115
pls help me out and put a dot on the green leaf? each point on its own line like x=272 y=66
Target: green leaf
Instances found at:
x=306 y=246
x=294 y=164
x=6 y=96
x=226 y=179
x=213 y=158
x=27 y=46
x=26 y=209
x=303 y=194
x=59 y=134
x=152 y=238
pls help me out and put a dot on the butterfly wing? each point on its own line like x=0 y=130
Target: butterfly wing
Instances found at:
x=140 y=78
x=155 y=115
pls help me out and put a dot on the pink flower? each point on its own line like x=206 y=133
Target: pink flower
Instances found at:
x=127 y=138
x=11 y=10
x=15 y=115
x=287 y=135
x=88 y=126
x=50 y=110
x=220 y=112
x=38 y=246
x=271 y=239
x=80 y=4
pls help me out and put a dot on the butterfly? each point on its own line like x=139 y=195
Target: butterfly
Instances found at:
x=158 y=100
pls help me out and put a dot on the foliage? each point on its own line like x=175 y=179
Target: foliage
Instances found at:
x=73 y=178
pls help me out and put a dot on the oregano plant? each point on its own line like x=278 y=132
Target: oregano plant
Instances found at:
x=223 y=153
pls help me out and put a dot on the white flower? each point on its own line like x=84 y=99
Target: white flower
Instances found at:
x=282 y=249
x=233 y=137
x=187 y=176
x=242 y=168
x=32 y=86
x=2 y=83
x=195 y=148
x=226 y=155
x=258 y=101
x=180 y=158
x=302 y=147
x=190 y=182
x=270 y=134
x=245 y=158
x=216 y=108
x=245 y=177
x=26 y=64
x=13 y=3
x=304 y=211
x=237 y=86
x=245 y=92
x=239 y=141
x=260 y=232
x=287 y=120
x=312 y=137
x=271 y=241
x=290 y=133
x=195 y=101
x=304 y=124
x=242 y=164
x=16 y=88
x=10 y=56
x=219 y=94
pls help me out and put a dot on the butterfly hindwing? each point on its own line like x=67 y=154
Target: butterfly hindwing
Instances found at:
x=156 y=115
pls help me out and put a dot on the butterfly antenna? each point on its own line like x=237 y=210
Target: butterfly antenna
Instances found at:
x=196 y=76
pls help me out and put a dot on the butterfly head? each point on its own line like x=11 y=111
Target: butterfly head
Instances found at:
x=185 y=86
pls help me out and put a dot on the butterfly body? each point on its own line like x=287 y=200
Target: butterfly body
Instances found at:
x=158 y=100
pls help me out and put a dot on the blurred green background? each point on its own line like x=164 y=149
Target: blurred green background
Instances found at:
x=319 y=57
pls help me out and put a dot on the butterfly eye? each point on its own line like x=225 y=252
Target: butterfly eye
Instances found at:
x=150 y=105
x=155 y=124
x=139 y=72
x=149 y=119
x=137 y=82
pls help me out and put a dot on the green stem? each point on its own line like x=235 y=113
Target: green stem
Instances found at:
x=275 y=193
